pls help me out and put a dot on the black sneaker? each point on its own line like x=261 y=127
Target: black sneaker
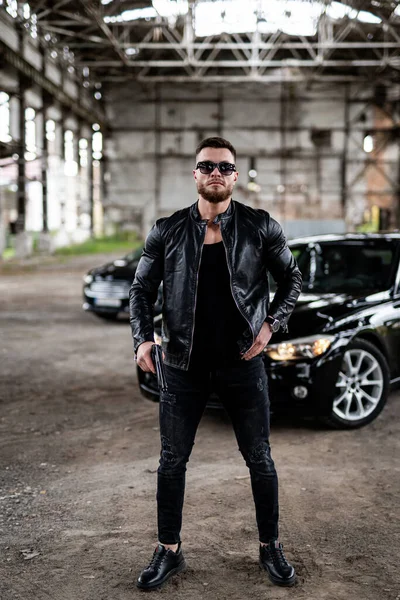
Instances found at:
x=163 y=565
x=273 y=560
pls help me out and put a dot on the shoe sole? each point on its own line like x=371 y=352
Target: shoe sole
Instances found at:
x=153 y=586
x=274 y=580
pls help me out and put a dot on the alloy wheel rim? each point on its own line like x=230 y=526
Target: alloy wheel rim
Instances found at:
x=359 y=385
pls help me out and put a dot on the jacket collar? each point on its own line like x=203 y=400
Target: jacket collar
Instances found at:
x=194 y=211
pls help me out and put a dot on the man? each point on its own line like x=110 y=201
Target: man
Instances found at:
x=213 y=258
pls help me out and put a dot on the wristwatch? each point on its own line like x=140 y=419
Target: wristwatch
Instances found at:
x=273 y=323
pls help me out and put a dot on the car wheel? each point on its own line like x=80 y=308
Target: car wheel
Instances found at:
x=362 y=386
x=107 y=316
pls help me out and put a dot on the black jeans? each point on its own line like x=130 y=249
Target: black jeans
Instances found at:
x=243 y=388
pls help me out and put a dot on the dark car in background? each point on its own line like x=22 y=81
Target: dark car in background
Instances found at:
x=106 y=288
x=342 y=349
x=341 y=353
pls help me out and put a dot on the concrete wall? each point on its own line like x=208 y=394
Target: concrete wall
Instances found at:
x=304 y=140
x=294 y=135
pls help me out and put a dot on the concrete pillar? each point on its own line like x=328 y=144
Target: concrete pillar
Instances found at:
x=343 y=170
x=91 y=185
x=45 y=242
x=397 y=212
x=21 y=193
x=283 y=165
x=63 y=191
x=98 y=213
x=157 y=136
x=3 y=239
x=45 y=145
x=23 y=240
x=23 y=244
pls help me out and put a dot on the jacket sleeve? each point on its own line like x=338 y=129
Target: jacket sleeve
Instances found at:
x=283 y=267
x=143 y=291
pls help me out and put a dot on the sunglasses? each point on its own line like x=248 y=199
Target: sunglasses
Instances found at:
x=207 y=167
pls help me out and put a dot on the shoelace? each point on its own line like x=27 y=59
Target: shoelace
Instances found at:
x=156 y=559
x=278 y=557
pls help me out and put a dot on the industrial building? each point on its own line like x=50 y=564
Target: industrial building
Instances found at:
x=103 y=103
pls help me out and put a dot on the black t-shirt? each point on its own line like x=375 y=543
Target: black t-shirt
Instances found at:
x=218 y=321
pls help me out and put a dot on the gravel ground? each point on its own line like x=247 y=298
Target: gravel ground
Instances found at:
x=79 y=449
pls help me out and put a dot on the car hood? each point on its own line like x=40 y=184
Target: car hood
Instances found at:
x=315 y=313
x=118 y=269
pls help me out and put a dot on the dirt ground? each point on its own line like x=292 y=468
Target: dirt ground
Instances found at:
x=79 y=449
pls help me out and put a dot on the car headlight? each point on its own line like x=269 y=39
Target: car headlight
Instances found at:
x=88 y=278
x=307 y=347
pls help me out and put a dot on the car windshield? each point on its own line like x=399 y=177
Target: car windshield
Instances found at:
x=364 y=266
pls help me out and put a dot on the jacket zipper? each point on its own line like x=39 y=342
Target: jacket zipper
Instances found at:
x=195 y=295
x=233 y=295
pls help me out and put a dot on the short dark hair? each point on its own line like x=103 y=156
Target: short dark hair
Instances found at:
x=216 y=142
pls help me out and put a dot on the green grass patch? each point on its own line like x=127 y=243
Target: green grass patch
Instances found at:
x=8 y=253
x=367 y=228
x=114 y=243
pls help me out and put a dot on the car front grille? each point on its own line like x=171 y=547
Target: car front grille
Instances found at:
x=108 y=289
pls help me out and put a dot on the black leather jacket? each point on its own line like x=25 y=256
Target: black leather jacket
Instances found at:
x=254 y=245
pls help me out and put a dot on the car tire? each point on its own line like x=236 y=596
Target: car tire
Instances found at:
x=362 y=386
x=107 y=316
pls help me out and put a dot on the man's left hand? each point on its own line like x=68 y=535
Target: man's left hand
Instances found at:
x=260 y=342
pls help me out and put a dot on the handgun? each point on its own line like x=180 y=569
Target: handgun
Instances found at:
x=156 y=356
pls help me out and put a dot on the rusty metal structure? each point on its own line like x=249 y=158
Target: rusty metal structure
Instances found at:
x=116 y=44
x=102 y=44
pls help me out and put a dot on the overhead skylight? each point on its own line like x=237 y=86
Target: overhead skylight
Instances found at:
x=162 y=8
x=337 y=10
x=367 y=17
x=293 y=17
x=214 y=18
x=139 y=13
x=132 y=15
x=166 y=8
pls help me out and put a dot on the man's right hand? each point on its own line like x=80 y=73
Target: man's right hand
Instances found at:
x=143 y=357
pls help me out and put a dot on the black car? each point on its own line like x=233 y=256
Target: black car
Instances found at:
x=342 y=350
x=106 y=288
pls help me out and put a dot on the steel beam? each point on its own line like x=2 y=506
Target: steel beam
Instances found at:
x=228 y=79
x=73 y=34
x=311 y=47
x=91 y=9
x=231 y=64
x=53 y=9
x=337 y=45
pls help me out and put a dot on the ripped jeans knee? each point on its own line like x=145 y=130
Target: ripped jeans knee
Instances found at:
x=172 y=461
x=258 y=458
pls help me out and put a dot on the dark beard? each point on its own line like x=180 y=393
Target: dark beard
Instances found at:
x=214 y=196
